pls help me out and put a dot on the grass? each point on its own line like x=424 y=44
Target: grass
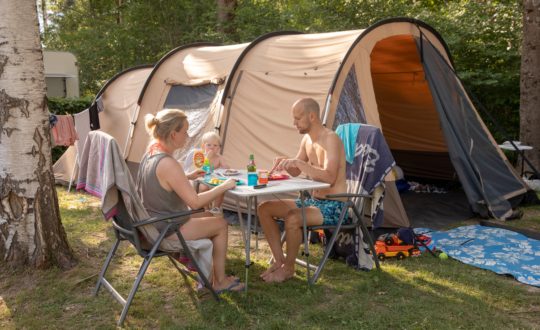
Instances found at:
x=415 y=293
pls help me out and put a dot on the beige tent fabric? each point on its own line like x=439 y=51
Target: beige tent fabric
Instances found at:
x=188 y=66
x=119 y=102
x=273 y=74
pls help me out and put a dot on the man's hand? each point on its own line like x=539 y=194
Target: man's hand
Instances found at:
x=276 y=166
x=197 y=173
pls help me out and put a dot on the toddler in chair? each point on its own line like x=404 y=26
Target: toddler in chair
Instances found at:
x=211 y=145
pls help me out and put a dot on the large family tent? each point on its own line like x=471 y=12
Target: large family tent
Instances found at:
x=396 y=75
x=190 y=78
x=116 y=106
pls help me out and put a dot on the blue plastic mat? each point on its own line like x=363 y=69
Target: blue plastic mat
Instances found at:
x=499 y=250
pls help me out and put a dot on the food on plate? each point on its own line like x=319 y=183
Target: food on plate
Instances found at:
x=277 y=176
x=230 y=172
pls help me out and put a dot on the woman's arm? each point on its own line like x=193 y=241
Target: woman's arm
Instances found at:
x=171 y=177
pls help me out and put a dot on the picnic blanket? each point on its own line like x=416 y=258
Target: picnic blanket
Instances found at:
x=499 y=250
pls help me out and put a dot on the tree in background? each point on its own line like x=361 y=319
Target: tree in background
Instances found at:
x=530 y=80
x=483 y=36
x=30 y=229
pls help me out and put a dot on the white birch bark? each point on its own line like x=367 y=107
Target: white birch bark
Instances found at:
x=30 y=229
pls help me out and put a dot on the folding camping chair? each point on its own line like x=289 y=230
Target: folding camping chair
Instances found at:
x=368 y=161
x=131 y=223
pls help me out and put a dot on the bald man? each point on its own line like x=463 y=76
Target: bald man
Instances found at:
x=321 y=157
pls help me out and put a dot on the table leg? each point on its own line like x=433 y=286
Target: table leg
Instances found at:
x=248 y=240
x=304 y=222
x=241 y=220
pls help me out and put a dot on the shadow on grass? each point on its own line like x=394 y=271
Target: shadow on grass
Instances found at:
x=413 y=293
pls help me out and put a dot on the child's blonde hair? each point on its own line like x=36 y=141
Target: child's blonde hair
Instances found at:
x=208 y=136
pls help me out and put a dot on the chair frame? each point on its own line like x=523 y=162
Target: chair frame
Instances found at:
x=123 y=234
x=357 y=224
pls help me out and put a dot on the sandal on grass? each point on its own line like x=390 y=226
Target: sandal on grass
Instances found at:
x=234 y=287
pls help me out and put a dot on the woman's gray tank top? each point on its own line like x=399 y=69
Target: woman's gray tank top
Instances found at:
x=156 y=200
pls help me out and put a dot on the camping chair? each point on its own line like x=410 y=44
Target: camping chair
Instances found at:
x=131 y=223
x=368 y=161
x=354 y=210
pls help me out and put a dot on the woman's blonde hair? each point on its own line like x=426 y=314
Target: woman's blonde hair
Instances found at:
x=162 y=124
x=208 y=136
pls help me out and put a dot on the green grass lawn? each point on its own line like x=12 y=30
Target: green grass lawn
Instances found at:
x=415 y=293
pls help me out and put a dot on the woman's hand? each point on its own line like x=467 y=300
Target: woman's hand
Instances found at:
x=197 y=173
x=229 y=184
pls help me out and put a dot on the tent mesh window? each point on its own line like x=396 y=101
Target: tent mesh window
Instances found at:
x=349 y=109
x=196 y=102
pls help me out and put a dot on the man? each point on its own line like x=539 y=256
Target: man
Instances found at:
x=322 y=158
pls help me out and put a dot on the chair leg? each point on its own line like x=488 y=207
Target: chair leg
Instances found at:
x=328 y=248
x=106 y=265
x=135 y=287
x=368 y=237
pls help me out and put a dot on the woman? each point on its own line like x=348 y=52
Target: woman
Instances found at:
x=165 y=188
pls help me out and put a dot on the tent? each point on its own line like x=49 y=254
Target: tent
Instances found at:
x=116 y=105
x=191 y=78
x=396 y=75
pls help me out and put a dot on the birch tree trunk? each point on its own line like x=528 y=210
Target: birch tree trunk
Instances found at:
x=530 y=80
x=31 y=233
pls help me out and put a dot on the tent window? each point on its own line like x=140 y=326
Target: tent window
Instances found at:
x=349 y=109
x=190 y=97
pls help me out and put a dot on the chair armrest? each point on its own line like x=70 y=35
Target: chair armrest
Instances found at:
x=167 y=217
x=348 y=195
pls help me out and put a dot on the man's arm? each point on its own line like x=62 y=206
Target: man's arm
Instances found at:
x=290 y=165
x=328 y=173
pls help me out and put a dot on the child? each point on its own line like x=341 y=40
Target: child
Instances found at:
x=211 y=144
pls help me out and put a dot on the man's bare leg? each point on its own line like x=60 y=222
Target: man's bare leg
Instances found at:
x=267 y=211
x=294 y=230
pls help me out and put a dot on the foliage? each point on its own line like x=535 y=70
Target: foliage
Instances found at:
x=422 y=292
x=109 y=36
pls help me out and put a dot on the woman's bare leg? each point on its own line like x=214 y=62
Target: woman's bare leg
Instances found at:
x=214 y=228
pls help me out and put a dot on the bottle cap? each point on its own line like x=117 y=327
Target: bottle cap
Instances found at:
x=251 y=156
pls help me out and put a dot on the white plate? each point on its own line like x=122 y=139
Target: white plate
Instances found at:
x=230 y=172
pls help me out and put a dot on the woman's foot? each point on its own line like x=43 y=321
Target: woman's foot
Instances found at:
x=230 y=284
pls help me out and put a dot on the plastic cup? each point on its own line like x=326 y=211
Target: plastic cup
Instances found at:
x=263 y=176
x=252 y=178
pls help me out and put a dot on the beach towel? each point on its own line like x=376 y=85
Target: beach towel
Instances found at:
x=499 y=250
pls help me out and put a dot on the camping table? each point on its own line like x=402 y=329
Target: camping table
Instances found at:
x=274 y=187
x=520 y=148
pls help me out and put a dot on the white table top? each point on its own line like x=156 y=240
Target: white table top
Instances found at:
x=508 y=146
x=273 y=187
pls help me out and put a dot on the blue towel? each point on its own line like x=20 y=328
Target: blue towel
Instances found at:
x=499 y=250
x=348 y=134
x=372 y=160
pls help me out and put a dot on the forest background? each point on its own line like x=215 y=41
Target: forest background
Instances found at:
x=484 y=36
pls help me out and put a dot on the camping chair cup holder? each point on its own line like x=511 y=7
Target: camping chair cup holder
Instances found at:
x=148 y=252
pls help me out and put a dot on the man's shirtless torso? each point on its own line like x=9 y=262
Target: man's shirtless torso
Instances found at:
x=318 y=152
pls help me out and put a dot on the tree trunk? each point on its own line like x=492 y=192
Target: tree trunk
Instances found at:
x=225 y=14
x=530 y=80
x=31 y=233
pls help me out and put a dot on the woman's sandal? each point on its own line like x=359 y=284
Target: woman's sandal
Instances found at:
x=231 y=287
